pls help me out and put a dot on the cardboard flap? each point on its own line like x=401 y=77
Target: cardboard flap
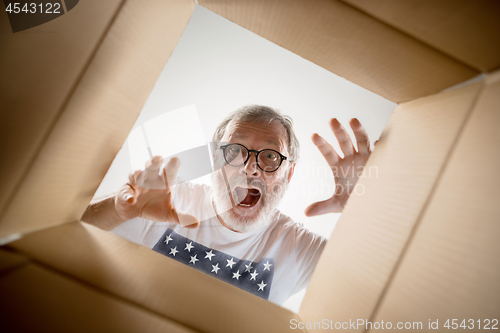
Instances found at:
x=151 y=280
x=349 y=43
x=11 y=260
x=451 y=268
x=40 y=68
x=37 y=299
x=466 y=30
x=59 y=176
x=375 y=226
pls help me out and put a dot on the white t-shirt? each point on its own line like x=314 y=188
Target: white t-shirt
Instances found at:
x=273 y=262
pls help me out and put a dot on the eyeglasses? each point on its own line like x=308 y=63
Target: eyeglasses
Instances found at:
x=268 y=160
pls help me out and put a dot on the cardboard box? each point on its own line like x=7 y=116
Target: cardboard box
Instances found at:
x=420 y=245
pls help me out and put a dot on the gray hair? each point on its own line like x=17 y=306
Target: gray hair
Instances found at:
x=257 y=114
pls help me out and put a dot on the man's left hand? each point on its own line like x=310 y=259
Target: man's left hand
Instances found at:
x=345 y=170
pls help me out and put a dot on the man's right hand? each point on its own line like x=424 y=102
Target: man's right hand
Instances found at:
x=148 y=195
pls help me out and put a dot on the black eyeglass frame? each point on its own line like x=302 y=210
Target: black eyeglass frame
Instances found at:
x=257 y=152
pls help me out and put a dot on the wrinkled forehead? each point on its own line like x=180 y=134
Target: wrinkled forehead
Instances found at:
x=262 y=134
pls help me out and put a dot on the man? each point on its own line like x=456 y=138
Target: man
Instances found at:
x=233 y=231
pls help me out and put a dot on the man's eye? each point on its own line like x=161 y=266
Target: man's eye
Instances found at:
x=271 y=156
x=236 y=150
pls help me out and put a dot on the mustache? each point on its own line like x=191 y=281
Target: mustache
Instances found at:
x=242 y=180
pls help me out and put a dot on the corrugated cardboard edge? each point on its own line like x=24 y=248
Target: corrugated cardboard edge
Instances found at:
x=465 y=30
x=11 y=260
x=450 y=268
x=148 y=279
x=365 y=248
x=100 y=112
x=38 y=299
x=41 y=68
x=349 y=43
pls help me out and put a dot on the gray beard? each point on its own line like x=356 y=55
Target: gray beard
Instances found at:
x=240 y=222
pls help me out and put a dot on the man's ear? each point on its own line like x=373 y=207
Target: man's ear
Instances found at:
x=290 y=172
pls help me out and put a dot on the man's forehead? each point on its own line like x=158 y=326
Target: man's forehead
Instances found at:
x=272 y=133
x=242 y=135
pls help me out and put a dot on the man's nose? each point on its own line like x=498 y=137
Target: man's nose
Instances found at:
x=251 y=168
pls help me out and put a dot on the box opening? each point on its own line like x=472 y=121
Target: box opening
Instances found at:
x=218 y=67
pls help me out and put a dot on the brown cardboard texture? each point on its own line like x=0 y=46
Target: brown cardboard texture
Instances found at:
x=419 y=244
x=10 y=261
x=41 y=300
x=148 y=280
x=349 y=43
x=61 y=162
x=465 y=30
x=453 y=255
x=48 y=65
x=379 y=229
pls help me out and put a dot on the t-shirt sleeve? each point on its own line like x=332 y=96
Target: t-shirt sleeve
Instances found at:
x=309 y=247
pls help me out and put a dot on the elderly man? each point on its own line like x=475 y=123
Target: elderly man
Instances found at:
x=233 y=231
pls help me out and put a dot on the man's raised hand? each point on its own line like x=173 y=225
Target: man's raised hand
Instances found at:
x=345 y=170
x=148 y=195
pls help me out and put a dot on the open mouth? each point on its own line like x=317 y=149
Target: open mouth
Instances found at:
x=246 y=197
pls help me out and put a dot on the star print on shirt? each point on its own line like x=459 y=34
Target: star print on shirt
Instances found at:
x=168 y=239
x=238 y=272
x=236 y=275
x=215 y=268
x=254 y=275
x=209 y=255
x=193 y=259
x=189 y=246
x=173 y=251
x=230 y=263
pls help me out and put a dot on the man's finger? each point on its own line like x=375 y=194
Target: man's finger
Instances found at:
x=342 y=137
x=150 y=177
x=127 y=194
x=153 y=167
x=170 y=171
x=184 y=219
x=323 y=207
x=325 y=149
x=361 y=136
x=132 y=178
x=192 y=226
x=187 y=220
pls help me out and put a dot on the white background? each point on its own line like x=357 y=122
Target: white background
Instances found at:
x=218 y=67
